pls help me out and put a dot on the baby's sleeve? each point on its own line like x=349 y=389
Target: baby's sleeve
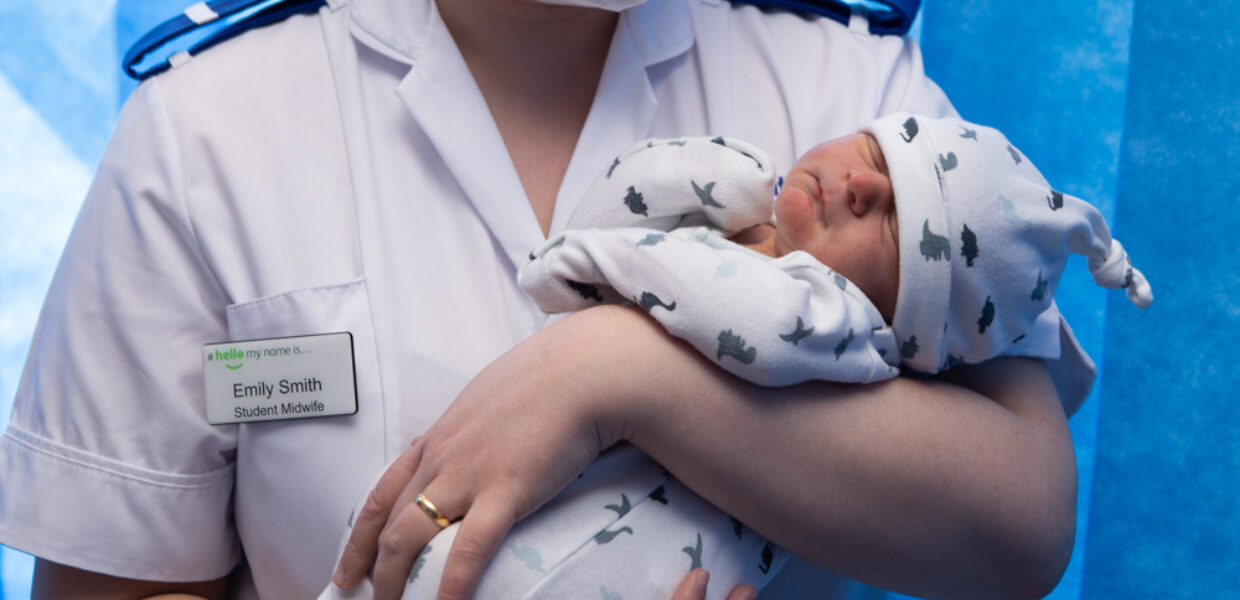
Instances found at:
x=718 y=182
x=773 y=323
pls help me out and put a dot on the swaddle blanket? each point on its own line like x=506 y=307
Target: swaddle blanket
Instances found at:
x=624 y=529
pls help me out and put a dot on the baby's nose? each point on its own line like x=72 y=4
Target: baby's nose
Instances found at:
x=865 y=191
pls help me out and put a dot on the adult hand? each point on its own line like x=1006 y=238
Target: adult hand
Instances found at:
x=693 y=587
x=517 y=434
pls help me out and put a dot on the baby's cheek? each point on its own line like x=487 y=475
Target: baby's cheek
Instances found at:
x=793 y=213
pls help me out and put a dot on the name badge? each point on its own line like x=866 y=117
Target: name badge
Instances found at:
x=279 y=378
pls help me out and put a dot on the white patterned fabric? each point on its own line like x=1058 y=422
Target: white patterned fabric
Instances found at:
x=625 y=529
x=983 y=242
x=770 y=321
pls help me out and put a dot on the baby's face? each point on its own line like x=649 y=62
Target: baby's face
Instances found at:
x=837 y=204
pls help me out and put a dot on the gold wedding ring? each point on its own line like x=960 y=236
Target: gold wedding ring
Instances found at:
x=428 y=507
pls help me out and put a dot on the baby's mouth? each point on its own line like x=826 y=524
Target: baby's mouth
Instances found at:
x=821 y=197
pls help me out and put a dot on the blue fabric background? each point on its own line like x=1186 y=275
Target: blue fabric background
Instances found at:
x=1131 y=104
x=1166 y=510
x=1136 y=107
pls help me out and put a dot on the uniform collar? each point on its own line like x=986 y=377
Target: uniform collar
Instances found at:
x=442 y=97
x=399 y=29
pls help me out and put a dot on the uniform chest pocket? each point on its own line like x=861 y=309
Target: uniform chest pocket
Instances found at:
x=317 y=310
x=297 y=479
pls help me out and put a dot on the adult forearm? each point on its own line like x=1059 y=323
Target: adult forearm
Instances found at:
x=54 y=580
x=920 y=486
x=917 y=486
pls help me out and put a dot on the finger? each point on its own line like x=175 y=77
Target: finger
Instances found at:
x=362 y=546
x=482 y=531
x=743 y=592
x=400 y=544
x=693 y=586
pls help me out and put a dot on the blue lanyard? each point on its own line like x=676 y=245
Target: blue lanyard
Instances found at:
x=887 y=17
x=251 y=13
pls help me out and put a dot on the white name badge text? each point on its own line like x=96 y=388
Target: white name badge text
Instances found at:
x=279 y=378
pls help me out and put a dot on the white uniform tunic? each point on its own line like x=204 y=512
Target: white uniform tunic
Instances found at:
x=340 y=172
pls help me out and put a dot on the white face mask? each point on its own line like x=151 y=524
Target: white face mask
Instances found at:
x=612 y=5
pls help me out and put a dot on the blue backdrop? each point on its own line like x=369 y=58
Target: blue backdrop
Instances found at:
x=1135 y=106
x=1131 y=104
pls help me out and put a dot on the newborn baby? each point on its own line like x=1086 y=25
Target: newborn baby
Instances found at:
x=915 y=243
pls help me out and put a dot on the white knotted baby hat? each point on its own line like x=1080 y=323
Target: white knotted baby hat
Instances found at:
x=983 y=241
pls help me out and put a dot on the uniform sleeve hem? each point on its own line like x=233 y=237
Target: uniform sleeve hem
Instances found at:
x=94 y=513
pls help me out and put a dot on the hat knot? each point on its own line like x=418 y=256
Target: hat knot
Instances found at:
x=1115 y=271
